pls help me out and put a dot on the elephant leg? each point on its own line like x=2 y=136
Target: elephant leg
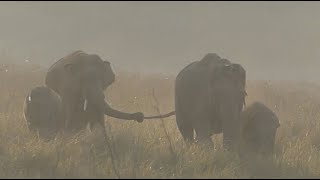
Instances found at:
x=184 y=124
x=92 y=126
x=202 y=126
x=96 y=124
x=231 y=133
x=203 y=136
x=73 y=119
x=185 y=128
x=68 y=114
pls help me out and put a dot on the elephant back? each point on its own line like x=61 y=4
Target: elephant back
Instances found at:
x=203 y=70
x=213 y=59
x=67 y=59
x=258 y=111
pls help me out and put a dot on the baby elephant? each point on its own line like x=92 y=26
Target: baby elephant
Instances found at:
x=259 y=127
x=43 y=112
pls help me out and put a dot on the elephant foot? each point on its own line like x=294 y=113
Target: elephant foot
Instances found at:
x=229 y=145
x=205 y=143
x=189 y=142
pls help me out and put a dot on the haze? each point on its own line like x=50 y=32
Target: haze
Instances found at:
x=272 y=40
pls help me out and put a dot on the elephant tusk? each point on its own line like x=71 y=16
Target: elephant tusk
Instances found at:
x=29 y=98
x=85 y=105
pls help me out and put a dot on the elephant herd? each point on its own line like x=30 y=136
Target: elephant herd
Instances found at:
x=209 y=99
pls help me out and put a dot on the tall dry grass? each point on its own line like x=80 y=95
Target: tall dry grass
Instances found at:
x=143 y=149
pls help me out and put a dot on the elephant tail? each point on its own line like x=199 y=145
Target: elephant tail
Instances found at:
x=161 y=116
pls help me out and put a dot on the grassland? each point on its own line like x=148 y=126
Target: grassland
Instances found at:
x=143 y=149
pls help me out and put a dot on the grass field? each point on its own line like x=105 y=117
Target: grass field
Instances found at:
x=143 y=149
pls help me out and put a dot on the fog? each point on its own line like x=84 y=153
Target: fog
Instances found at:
x=272 y=40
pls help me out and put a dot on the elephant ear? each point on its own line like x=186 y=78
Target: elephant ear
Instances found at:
x=70 y=68
x=278 y=124
x=215 y=72
x=237 y=73
x=107 y=73
x=241 y=73
x=228 y=71
x=276 y=120
x=241 y=79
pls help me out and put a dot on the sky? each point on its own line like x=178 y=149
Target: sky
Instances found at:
x=272 y=40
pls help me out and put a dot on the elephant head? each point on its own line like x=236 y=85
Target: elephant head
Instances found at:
x=227 y=96
x=93 y=75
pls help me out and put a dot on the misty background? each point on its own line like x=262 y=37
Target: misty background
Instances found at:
x=272 y=40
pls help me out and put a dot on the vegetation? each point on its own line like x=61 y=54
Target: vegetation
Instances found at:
x=143 y=150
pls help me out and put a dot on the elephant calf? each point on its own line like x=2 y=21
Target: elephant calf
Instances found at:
x=259 y=127
x=43 y=112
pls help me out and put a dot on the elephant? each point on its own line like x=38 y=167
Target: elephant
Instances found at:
x=209 y=97
x=42 y=111
x=81 y=79
x=259 y=128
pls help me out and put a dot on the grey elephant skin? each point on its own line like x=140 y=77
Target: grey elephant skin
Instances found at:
x=209 y=96
x=43 y=112
x=81 y=79
x=259 y=128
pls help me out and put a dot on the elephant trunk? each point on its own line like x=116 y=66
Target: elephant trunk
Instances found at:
x=93 y=98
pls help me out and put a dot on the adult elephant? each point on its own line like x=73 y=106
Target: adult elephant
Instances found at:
x=81 y=79
x=209 y=96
